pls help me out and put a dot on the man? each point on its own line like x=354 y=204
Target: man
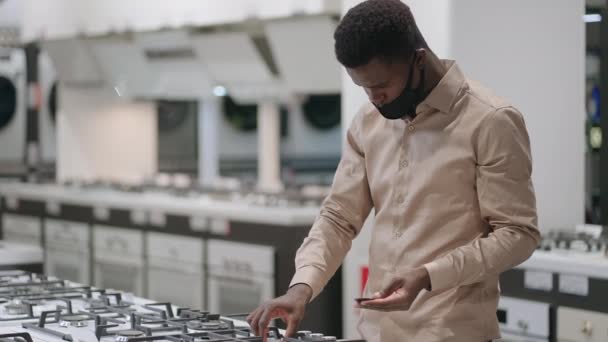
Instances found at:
x=446 y=164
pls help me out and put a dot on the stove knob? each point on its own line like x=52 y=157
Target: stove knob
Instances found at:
x=316 y=337
x=523 y=325
x=304 y=333
x=587 y=328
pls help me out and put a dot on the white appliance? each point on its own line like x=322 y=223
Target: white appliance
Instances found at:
x=177 y=136
x=14 y=254
x=523 y=320
x=13 y=107
x=67 y=250
x=241 y=276
x=23 y=229
x=176 y=269
x=575 y=325
x=118 y=259
x=48 y=108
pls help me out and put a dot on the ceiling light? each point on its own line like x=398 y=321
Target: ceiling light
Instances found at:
x=219 y=91
x=592 y=18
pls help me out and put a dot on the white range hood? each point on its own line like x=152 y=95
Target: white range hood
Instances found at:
x=234 y=62
x=75 y=64
x=175 y=67
x=303 y=49
x=122 y=64
x=152 y=65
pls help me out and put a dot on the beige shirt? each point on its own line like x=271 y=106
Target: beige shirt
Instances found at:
x=452 y=191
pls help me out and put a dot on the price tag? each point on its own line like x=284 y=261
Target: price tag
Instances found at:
x=138 y=217
x=101 y=213
x=538 y=280
x=574 y=284
x=53 y=208
x=158 y=219
x=220 y=226
x=199 y=223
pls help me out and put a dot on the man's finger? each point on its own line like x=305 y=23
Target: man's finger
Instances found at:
x=255 y=321
x=251 y=315
x=292 y=327
x=265 y=318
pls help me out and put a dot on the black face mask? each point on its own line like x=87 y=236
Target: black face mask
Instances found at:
x=406 y=102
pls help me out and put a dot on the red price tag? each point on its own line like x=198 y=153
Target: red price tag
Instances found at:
x=364 y=274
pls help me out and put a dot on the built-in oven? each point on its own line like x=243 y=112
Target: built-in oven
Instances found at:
x=240 y=275
x=119 y=259
x=576 y=325
x=524 y=320
x=176 y=269
x=67 y=250
x=22 y=229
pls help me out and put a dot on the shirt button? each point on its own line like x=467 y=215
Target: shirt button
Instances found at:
x=411 y=128
x=400 y=199
x=403 y=164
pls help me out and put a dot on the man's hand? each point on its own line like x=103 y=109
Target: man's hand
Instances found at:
x=400 y=293
x=289 y=307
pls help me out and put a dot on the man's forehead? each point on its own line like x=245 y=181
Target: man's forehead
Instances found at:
x=371 y=74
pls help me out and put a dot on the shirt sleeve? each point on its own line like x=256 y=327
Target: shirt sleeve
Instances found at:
x=341 y=217
x=507 y=202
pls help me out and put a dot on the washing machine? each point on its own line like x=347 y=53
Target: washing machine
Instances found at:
x=13 y=109
x=47 y=76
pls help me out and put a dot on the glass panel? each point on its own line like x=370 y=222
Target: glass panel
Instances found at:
x=238 y=297
x=182 y=289
x=118 y=277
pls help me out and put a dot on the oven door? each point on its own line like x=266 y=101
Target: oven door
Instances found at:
x=112 y=274
x=179 y=284
x=523 y=320
x=63 y=263
x=229 y=294
x=22 y=229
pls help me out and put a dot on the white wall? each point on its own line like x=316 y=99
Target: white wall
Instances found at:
x=10 y=13
x=531 y=53
x=101 y=137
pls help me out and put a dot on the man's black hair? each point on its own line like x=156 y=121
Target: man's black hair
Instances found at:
x=377 y=28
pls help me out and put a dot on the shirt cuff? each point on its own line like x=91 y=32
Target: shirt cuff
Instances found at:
x=310 y=276
x=442 y=273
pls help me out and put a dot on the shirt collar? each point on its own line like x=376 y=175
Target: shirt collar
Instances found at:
x=447 y=91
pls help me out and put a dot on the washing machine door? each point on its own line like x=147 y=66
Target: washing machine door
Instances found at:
x=8 y=101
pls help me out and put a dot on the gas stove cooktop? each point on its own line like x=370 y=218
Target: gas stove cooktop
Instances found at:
x=37 y=308
x=574 y=242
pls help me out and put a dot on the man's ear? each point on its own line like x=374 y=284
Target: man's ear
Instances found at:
x=420 y=58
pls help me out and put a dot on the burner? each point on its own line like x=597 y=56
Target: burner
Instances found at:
x=212 y=325
x=124 y=336
x=74 y=321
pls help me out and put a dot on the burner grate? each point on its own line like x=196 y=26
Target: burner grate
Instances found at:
x=19 y=337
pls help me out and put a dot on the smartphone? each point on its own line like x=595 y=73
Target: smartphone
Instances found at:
x=362 y=299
